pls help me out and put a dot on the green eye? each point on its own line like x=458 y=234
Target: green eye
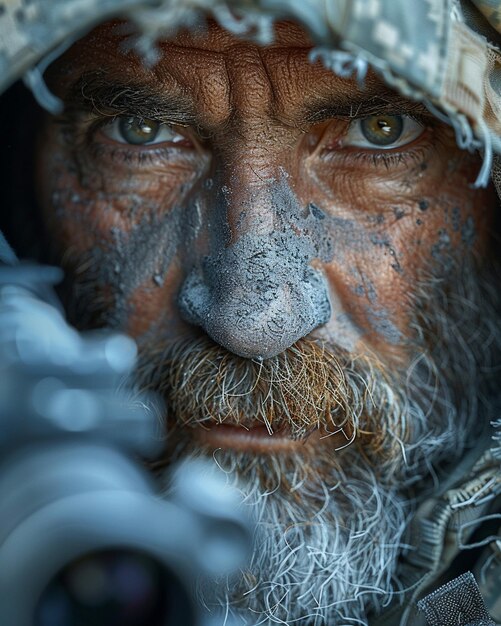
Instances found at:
x=137 y=131
x=382 y=130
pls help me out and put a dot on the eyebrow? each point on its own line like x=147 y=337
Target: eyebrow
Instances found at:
x=98 y=94
x=361 y=105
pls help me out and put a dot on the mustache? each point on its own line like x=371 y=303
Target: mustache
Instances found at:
x=399 y=417
x=309 y=386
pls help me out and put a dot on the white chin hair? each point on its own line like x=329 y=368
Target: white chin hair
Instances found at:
x=327 y=543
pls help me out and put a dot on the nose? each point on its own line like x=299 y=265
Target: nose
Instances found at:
x=258 y=293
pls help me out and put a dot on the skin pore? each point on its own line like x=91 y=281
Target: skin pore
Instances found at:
x=248 y=127
x=290 y=251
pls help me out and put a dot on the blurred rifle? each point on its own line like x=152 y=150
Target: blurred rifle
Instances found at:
x=84 y=539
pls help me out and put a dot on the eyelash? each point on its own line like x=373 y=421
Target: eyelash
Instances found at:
x=81 y=135
x=384 y=158
x=387 y=158
x=127 y=155
x=148 y=156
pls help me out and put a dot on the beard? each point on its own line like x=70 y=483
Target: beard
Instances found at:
x=331 y=519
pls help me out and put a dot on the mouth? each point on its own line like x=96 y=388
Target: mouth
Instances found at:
x=260 y=440
x=216 y=400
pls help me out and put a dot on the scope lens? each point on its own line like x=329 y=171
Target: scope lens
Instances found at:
x=113 y=588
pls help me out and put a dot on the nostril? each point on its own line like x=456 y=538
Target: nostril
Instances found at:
x=194 y=298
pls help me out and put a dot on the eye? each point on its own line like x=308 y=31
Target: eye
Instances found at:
x=138 y=131
x=382 y=132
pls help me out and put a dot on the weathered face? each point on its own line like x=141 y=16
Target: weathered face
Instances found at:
x=272 y=235
x=248 y=194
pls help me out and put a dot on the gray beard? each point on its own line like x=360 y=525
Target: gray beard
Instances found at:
x=326 y=546
x=330 y=528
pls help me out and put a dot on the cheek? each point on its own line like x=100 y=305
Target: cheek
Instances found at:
x=117 y=239
x=80 y=185
x=390 y=232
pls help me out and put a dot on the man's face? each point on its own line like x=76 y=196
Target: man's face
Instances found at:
x=277 y=239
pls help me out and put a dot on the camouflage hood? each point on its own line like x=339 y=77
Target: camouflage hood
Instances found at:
x=444 y=53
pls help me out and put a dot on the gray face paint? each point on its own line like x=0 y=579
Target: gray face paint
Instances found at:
x=132 y=258
x=129 y=260
x=259 y=295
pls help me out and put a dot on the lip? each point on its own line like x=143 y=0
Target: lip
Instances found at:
x=258 y=439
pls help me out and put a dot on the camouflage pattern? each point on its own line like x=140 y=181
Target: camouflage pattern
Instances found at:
x=30 y=29
x=491 y=10
x=379 y=29
x=385 y=33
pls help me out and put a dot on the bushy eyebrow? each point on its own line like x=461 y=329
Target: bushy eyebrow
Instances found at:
x=96 y=93
x=359 y=106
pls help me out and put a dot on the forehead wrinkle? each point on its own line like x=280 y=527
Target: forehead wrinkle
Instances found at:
x=185 y=101
x=344 y=98
x=303 y=89
x=204 y=76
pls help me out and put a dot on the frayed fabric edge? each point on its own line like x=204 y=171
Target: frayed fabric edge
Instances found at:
x=259 y=27
x=466 y=140
x=347 y=64
x=344 y=64
x=34 y=80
